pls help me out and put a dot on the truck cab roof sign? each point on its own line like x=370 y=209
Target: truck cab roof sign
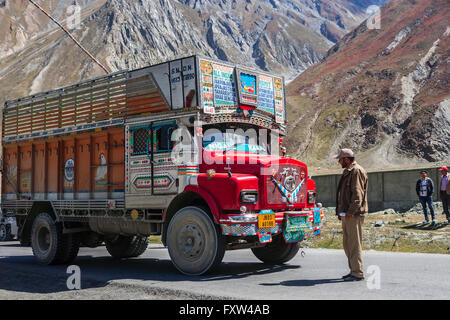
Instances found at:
x=225 y=88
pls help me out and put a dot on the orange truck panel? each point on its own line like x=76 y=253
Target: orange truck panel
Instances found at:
x=84 y=166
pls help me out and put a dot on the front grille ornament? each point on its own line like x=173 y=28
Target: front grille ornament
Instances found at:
x=289 y=183
x=291 y=197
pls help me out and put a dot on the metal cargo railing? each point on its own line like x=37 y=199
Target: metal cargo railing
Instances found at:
x=113 y=96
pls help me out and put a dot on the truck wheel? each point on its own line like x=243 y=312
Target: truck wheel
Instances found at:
x=194 y=242
x=49 y=244
x=126 y=247
x=71 y=246
x=4 y=234
x=277 y=252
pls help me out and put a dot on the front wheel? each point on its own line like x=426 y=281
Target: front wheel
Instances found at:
x=277 y=252
x=194 y=242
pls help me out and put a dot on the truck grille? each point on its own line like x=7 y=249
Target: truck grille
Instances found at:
x=287 y=184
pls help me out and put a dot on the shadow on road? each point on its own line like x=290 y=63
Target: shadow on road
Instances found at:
x=23 y=274
x=234 y=270
x=426 y=226
x=304 y=283
x=14 y=280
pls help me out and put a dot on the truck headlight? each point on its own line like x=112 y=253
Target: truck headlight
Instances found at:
x=312 y=197
x=249 y=196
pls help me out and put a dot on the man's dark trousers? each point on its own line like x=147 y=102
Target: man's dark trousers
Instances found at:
x=445 y=203
x=424 y=201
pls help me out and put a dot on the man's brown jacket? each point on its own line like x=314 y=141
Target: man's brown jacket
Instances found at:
x=351 y=196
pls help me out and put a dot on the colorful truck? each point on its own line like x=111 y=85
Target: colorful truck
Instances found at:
x=186 y=149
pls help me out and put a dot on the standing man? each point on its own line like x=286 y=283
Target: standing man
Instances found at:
x=351 y=208
x=444 y=188
x=424 y=190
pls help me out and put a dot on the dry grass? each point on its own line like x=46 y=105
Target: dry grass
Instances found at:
x=401 y=232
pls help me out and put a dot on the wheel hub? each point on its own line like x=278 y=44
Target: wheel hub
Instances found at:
x=190 y=241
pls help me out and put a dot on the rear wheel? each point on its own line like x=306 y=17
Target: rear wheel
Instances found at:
x=123 y=247
x=5 y=232
x=49 y=244
x=277 y=252
x=194 y=242
x=71 y=246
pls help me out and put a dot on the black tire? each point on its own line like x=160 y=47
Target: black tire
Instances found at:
x=71 y=245
x=5 y=233
x=123 y=247
x=277 y=252
x=195 y=243
x=49 y=244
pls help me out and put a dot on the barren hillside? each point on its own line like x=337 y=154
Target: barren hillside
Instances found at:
x=382 y=92
x=283 y=36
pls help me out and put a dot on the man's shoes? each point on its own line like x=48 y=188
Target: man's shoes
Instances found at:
x=425 y=222
x=346 y=276
x=353 y=278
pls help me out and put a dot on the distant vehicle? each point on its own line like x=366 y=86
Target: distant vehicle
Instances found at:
x=97 y=162
x=8 y=228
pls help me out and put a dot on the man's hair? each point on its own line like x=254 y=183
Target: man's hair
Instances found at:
x=424 y=171
x=351 y=158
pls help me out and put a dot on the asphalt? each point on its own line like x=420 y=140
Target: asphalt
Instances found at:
x=317 y=275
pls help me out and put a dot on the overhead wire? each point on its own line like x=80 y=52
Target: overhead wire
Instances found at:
x=70 y=36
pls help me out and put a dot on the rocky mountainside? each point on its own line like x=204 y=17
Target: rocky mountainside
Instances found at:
x=21 y=22
x=284 y=36
x=382 y=92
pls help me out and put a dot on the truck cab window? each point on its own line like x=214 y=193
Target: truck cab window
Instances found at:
x=161 y=137
x=140 y=141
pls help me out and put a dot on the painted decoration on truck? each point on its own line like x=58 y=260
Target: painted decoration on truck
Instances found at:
x=25 y=182
x=69 y=169
x=224 y=87
x=127 y=170
x=248 y=92
x=266 y=94
x=101 y=175
x=176 y=84
x=69 y=174
x=189 y=82
x=286 y=184
x=163 y=181
x=207 y=87
x=279 y=100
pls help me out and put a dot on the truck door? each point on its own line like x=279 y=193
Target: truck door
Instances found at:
x=163 y=168
x=150 y=173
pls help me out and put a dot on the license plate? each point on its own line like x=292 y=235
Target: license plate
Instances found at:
x=266 y=220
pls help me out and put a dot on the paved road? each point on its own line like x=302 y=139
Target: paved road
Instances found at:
x=241 y=276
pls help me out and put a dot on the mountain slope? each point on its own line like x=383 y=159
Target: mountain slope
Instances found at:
x=20 y=21
x=383 y=93
x=283 y=36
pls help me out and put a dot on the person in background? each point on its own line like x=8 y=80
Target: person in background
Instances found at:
x=351 y=208
x=444 y=188
x=424 y=190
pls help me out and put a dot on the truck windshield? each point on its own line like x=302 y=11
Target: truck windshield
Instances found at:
x=234 y=140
